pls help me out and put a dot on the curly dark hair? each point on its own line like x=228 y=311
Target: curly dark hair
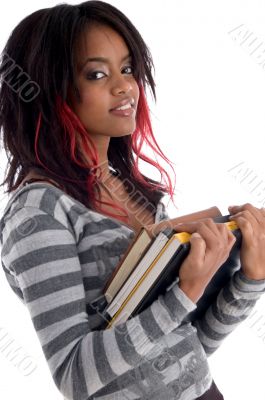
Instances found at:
x=38 y=127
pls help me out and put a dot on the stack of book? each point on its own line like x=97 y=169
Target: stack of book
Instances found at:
x=150 y=267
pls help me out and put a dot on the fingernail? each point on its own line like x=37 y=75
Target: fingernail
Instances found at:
x=196 y=234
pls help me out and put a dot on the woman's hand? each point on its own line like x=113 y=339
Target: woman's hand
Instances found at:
x=211 y=244
x=251 y=222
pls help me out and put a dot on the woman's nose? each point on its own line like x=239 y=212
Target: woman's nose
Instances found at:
x=121 y=86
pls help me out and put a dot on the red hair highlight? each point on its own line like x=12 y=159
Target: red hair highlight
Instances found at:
x=144 y=133
x=72 y=126
x=76 y=135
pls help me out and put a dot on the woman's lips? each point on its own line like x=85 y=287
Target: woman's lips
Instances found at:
x=123 y=113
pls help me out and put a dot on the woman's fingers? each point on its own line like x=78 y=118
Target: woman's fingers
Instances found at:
x=192 y=227
x=251 y=222
x=197 y=249
x=211 y=244
x=224 y=230
x=208 y=229
x=218 y=239
x=249 y=211
x=246 y=227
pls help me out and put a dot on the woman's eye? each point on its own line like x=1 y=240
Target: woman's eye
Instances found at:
x=130 y=67
x=93 y=75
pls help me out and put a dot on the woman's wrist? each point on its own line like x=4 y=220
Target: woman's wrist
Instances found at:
x=194 y=293
x=253 y=276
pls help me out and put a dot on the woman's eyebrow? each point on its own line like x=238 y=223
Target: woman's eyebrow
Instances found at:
x=103 y=59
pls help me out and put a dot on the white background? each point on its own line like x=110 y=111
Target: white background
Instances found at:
x=209 y=120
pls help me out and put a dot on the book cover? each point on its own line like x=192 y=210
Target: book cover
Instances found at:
x=142 y=295
x=170 y=274
x=141 y=244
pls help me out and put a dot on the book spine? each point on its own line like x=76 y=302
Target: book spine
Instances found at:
x=140 y=269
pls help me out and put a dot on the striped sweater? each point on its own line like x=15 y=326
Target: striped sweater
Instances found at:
x=57 y=256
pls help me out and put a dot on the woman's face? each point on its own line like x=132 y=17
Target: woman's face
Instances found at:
x=104 y=84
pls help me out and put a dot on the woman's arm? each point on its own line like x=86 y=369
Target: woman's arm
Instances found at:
x=233 y=305
x=237 y=299
x=165 y=221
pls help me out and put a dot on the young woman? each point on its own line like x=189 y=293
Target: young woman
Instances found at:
x=74 y=119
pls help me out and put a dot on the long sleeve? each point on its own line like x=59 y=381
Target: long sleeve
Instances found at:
x=233 y=305
x=41 y=253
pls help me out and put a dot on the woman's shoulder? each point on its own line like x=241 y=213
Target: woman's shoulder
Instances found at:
x=41 y=198
x=39 y=194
